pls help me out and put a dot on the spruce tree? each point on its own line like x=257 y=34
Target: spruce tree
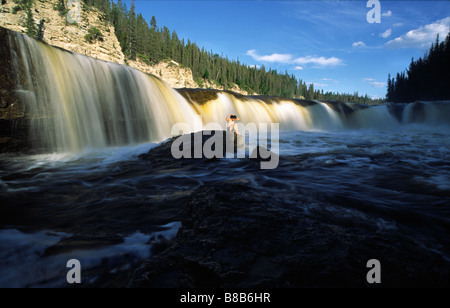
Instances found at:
x=132 y=36
x=40 y=34
x=29 y=21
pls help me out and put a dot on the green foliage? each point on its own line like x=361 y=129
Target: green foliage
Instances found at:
x=60 y=6
x=93 y=35
x=200 y=82
x=153 y=44
x=29 y=24
x=144 y=58
x=16 y=8
x=21 y=5
x=40 y=33
x=426 y=79
x=206 y=74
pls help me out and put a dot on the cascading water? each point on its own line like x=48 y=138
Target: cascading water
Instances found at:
x=429 y=113
x=78 y=102
x=350 y=175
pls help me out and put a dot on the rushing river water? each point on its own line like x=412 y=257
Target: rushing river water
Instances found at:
x=90 y=195
x=106 y=207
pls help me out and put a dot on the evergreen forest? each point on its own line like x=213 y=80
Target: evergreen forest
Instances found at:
x=427 y=78
x=152 y=43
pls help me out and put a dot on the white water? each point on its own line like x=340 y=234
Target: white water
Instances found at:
x=25 y=263
x=95 y=118
x=77 y=102
x=80 y=102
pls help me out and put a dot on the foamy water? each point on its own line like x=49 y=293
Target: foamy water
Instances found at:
x=101 y=196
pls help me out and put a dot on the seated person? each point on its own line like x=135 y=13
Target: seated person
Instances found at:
x=231 y=125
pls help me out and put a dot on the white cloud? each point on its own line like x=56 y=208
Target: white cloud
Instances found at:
x=374 y=83
x=330 y=80
x=287 y=58
x=358 y=44
x=275 y=57
x=298 y=68
x=377 y=84
x=255 y=66
x=421 y=37
x=398 y=24
x=319 y=61
x=386 y=33
x=387 y=14
x=317 y=84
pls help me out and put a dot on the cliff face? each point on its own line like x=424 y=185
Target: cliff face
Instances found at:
x=15 y=118
x=14 y=122
x=169 y=71
x=60 y=33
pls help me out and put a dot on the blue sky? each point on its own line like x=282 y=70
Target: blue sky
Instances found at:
x=328 y=43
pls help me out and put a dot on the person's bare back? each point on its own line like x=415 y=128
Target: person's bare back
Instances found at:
x=231 y=125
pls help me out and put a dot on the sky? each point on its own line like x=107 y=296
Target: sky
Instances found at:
x=339 y=46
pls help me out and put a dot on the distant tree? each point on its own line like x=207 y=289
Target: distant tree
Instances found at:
x=153 y=23
x=40 y=34
x=390 y=88
x=132 y=35
x=152 y=44
x=427 y=78
x=30 y=25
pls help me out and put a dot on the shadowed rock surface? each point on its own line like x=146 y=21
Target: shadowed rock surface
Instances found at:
x=13 y=119
x=236 y=235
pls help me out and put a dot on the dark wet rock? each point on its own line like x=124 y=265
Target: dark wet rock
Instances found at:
x=13 y=119
x=340 y=107
x=305 y=102
x=396 y=110
x=80 y=241
x=235 y=236
x=418 y=112
x=200 y=96
x=7 y=95
x=195 y=143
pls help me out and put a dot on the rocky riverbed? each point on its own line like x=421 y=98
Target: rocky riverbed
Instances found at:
x=236 y=235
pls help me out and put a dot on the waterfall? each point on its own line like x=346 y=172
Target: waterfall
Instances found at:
x=76 y=102
x=431 y=113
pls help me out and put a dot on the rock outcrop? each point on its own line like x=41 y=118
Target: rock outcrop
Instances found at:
x=14 y=120
x=170 y=71
x=60 y=33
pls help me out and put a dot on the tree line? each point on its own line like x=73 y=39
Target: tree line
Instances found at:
x=427 y=78
x=152 y=43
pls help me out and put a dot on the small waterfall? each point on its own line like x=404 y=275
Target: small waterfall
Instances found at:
x=430 y=113
x=377 y=117
x=250 y=110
